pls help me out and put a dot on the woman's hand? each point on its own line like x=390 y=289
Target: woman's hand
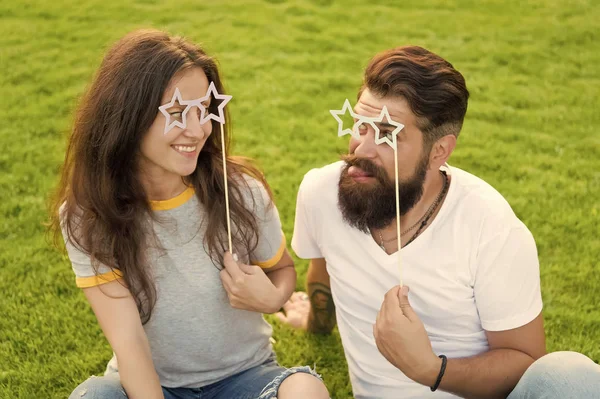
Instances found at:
x=249 y=288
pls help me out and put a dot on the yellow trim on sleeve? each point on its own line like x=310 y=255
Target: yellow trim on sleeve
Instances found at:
x=173 y=202
x=275 y=259
x=93 y=281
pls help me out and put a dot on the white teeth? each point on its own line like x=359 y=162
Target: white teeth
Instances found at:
x=184 y=148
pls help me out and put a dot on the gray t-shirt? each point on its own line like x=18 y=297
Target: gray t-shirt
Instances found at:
x=195 y=336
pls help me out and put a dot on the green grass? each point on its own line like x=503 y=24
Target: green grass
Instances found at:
x=532 y=131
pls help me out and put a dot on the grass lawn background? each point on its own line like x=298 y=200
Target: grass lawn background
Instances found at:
x=531 y=131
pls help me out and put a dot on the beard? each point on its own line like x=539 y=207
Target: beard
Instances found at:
x=373 y=205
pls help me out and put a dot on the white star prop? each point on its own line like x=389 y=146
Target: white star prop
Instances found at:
x=336 y=114
x=399 y=126
x=199 y=102
x=373 y=122
x=212 y=90
x=164 y=110
x=221 y=117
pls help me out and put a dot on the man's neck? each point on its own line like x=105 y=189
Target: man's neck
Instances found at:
x=432 y=187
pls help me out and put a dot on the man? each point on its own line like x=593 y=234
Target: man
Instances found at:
x=470 y=263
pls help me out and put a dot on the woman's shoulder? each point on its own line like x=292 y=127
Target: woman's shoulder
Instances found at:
x=255 y=190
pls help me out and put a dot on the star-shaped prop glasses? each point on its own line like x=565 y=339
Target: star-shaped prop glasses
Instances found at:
x=204 y=117
x=199 y=102
x=382 y=121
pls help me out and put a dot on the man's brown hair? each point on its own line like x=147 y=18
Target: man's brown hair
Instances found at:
x=435 y=91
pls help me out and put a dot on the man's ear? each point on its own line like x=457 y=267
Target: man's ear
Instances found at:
x=441 y=151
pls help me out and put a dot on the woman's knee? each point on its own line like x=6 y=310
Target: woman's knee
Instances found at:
x=107 y=387
x=302 y=385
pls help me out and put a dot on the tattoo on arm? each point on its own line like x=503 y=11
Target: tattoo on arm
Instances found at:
x=321 y=318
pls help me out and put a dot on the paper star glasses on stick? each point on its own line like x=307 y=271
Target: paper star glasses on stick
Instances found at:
x=382 y=122
x=205 y=116
x=336 y=114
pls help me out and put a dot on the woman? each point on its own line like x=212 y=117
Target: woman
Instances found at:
x=141 y=208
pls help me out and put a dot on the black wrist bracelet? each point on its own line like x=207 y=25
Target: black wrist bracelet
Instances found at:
x=441 y=374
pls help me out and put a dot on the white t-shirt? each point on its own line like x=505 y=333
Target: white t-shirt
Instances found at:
x=475 y=268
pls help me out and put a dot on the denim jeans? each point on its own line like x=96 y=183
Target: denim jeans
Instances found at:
x=260 y=382
x=560 y=375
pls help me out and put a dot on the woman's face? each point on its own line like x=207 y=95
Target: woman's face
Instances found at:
x=174 y=154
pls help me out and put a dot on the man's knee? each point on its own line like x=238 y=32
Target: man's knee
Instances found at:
x=108 y=387
x=557 y=364
x=559 y=374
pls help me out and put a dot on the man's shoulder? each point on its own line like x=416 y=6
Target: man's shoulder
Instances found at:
x=480 y=199
x=323 y=180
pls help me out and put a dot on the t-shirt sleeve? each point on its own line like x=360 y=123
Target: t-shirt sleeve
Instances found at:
x=81 y=263
x=271 y=240
x=304 y=240
x=507 y=281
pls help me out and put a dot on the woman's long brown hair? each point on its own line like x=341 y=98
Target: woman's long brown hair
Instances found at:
x=100 y=203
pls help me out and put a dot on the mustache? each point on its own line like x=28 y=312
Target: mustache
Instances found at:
x=366 y=165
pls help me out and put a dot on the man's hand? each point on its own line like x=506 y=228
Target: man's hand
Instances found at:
x=296 y=310
x=401 y=338
x=249 y=288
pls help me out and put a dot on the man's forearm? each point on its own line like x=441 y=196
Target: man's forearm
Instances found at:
x=321 y=318
x=492 y=374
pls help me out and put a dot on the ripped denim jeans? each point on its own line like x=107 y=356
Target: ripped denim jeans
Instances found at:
x=260 y=382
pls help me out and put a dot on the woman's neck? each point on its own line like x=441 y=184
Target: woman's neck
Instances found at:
x=162 y=186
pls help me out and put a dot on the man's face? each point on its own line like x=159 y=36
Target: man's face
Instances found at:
x=366 y=187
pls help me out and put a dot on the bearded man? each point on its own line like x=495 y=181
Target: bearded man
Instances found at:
x=471 y=324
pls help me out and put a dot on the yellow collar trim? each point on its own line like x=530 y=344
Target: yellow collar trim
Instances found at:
x=173 y=202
